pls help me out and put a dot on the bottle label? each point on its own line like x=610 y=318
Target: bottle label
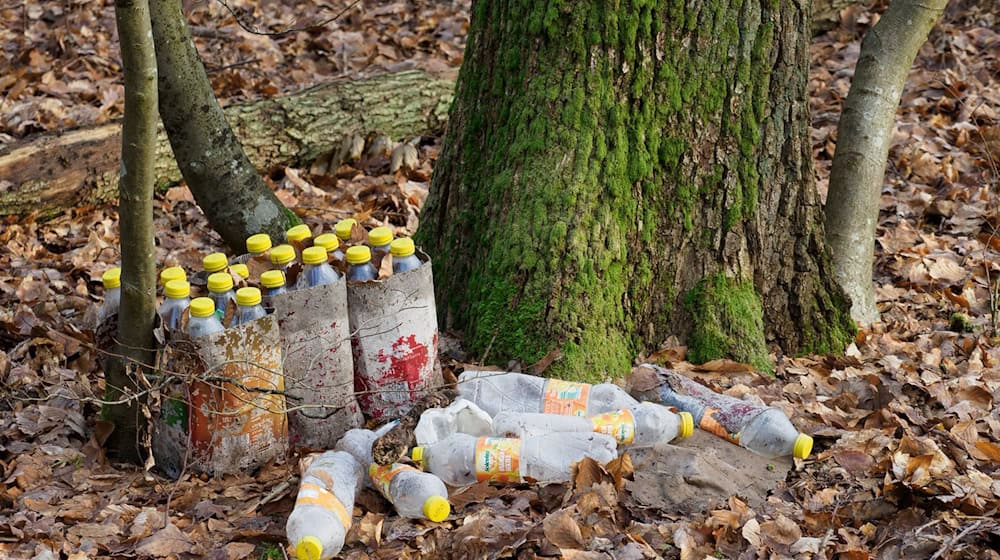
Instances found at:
x=498 y=459
x=315 y=495
x=566 y=397
x=382 y=475
x=619 y=425
x=713 y=426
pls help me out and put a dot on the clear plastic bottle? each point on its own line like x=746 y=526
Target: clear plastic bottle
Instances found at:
x=241 y=270
x=214 y=262
x=220 y=290
x=258 y=244
x=112 y=281
x=203 y=320
x=380 y=238
x=496 y=391
x=282 y=257
x=321 y=517
x=248 y=307
x=172 y=273
x=343 y=229
x=359 y=261
x=273 y=282
x=331 y=243
x=461 y=459
x=642 y=425
x=316 y=272
x=177 y=298
x=404 y=258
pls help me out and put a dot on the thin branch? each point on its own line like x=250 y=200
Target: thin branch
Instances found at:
x=281 y=33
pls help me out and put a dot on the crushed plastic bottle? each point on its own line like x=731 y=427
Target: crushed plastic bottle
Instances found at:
x=172 y=273
x=343 y=229
x=359 y=260
x=258 y=244
x=461 y=416
x=642 y=425
x=177 y=298
x=496 y=392
x=282 y=257
x=461 y=459
x=273 y=282
x=321 y=517
x=761 y=429
x=220 y=290
x=404 y=258
x=203 y=320
x=214 y=262
x=112 y=281
x=331 y=243
x=316 y=272
x=248 y=307
x=380 y=239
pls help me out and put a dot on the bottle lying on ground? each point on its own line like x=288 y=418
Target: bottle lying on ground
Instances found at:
x=640 y=425
x=203 y=320
x=404 y=258
x=248 y=307
x=321 y=517
x=497 y=392
x=177 y=298
x=112 y=281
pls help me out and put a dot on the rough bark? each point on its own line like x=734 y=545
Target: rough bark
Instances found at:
x=863 y=138
x=614 y=176
x=138 y=149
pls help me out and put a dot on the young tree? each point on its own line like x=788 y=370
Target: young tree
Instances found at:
x=613 y=174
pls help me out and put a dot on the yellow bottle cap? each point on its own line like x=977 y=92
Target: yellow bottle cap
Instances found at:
x=687 y=425
x=172 y=273
x=298 y=233
x=240 y=270
x=359 y=254
x=309 y=548
x=220 y=282
x=112 y=278
x=247 y=297
x=343 y=228
x=314 y=255
x=803 y=446
x=283 y=254
x=177 y=289
x=402 y=247
x=272 y=279
x=379 y=236
x=436 y=508
x=328 y=241
x=202 y=307
x=417 y=454
x=258 y=243
x=214 y=262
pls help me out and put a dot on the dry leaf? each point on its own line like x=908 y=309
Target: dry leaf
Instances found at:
x=168 y=541
x=562 y=530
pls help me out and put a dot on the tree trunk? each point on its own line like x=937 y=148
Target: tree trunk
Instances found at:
x=225 y=184
x=863 y=138
x=56 y=172
x=137 y=312
x=613 y=177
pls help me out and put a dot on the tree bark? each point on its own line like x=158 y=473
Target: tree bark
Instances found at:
x=137 y=312
x=53 y=173
x=863 y=138
x=611 y=177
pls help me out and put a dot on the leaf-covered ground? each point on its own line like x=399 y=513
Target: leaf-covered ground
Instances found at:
x=906 y=424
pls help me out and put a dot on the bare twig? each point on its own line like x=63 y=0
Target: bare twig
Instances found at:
x=283 y=32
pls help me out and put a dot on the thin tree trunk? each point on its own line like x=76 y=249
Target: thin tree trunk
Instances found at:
x=225 y=184
x=138 y=154
x=863 y=138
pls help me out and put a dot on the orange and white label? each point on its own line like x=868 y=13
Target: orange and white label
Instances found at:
x=619 y=425
x=382 y=475
x=498 y=459
x=315 y=495
x=566 y=397
x=712 y=426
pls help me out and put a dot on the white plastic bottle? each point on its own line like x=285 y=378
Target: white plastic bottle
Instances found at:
x=380 y=238
x=112 y=281
x=404 y=258
x=360 y=267
x=220 y=290
x=644 y=424
x=316 y=272
x=461 y=459
x=203 y=320
x=321 y=517
x=248 y=307
x=496 y=392
x=177 y=298
x=331 y=243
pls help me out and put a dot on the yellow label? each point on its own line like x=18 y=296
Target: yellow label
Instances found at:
x=315 y=495
x=566 y=397
x=498 y=459
x=619 y=425
x=381 y=476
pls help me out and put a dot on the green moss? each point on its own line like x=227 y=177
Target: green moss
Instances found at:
x=961 y=323
x=727 y=322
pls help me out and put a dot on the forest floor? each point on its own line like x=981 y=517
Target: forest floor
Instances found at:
x=907 y=428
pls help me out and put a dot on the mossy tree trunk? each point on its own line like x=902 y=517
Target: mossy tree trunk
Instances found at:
x=615 y=175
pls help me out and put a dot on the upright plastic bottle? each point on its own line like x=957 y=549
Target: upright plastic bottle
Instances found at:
x=316 y=272
x=404 y=258
x=298 y=233
x=248 y=307
x=172 y=273
x=240 y=269
x=380 y=239
x=220 y=290
x=642 y=425
x=214 y=262
x=360 y=267
x=177 y=298
x=112 y=281
x=274 y=284
x=321 y=517
x=282 y=257
x=461 y=459
x=331 y=243
x=203 y=320
x=258 y=244
x=496 y=392
x=343 y=229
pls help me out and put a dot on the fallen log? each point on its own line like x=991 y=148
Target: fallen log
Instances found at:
x=62 y=170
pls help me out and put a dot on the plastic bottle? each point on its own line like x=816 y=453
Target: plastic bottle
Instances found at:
x=220 y=290
x=461 y=459
x=321 y=517
x=380 y=239
x=282 y=257
x=644 y=424
x=274 y=284
x=203 y=320
x=172 y=273
x=298 y=233
x=316 y=272
x=258 y=244
x=177 y=298
x=761 y=429
x=240 y=269
x=343 y=229
x=248 y=307
x=496 y=392
x=112 y=281
x=359 y=260
x=331 y=243
x=404 y=258
x=214 y=262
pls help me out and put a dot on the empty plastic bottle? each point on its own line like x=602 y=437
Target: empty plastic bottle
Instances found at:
x=496 y=392
x=220 y=290
x=404 y=258
x=240 y=269
x=203 y=320
x=172 y=273
x=360 y=267
x=112 y=281
x=282 y=257
x=248 y=307
x=258 y=244
x=214 y=262
x=274 y=284
x=331 y=243
x=316 y=272
x=177 y=298
x=343 y=229
x=321 y=517
x=644 y=424
x=461 y=459
x=380 y=239
x=298 y=233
